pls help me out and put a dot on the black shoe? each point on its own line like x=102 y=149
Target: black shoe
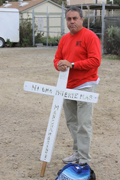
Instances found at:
x=92 y=175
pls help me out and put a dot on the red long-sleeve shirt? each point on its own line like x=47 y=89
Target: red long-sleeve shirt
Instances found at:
x=84 y=49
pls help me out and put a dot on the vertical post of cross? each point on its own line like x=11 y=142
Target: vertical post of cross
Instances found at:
x=54 y=120
x=43 y=169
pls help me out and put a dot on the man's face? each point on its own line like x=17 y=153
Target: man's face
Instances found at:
x=74 y=21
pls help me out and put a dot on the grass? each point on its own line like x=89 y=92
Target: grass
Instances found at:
x=111 y=57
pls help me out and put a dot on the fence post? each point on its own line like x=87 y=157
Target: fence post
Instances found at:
x=47 y=25
x=62 y=23
x=103 y=26
x=33 y=17
x=88 y=16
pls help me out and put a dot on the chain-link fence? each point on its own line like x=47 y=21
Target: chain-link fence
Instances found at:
x=49 y=25
x=112 y=21
x=54 y=24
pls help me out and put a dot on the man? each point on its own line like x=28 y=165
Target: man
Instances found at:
x=80 y=50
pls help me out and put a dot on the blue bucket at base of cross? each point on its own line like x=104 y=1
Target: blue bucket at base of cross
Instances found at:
x=73 y=171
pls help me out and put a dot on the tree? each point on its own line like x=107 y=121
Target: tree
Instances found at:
x=116 y=2
x=1 y=2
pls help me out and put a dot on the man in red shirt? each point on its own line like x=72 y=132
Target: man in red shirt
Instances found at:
x=80 y=49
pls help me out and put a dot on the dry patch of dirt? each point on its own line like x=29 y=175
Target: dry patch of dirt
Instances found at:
x=24 y=117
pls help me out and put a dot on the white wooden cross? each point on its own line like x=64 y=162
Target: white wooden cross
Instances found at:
x=60 y=93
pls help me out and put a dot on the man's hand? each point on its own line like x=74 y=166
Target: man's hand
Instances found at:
x=63 y=64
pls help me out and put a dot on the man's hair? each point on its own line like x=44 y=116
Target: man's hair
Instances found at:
x=74 y=8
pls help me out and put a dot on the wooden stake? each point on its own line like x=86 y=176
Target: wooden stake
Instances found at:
x=43 y=169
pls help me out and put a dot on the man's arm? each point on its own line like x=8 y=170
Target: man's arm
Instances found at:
x=59 y=63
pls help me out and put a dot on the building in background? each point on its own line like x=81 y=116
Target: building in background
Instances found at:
x=73 y=2
x=47 y=15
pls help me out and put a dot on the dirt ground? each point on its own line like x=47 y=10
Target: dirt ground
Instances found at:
x=24 y=117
